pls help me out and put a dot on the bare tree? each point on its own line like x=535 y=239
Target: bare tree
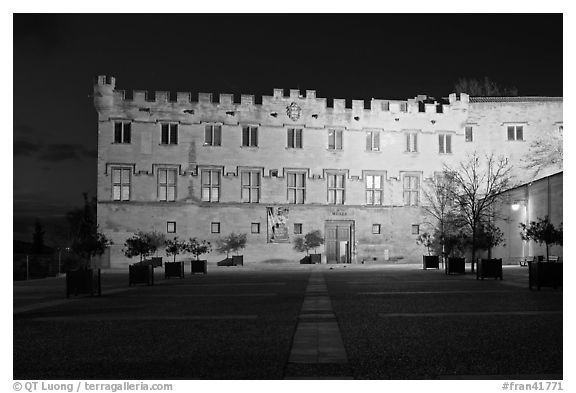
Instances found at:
x=545 y=152
x=483 y=88
x=478 y=186
x=439 y=203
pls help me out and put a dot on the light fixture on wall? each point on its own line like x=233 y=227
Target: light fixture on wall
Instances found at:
x=515 y=205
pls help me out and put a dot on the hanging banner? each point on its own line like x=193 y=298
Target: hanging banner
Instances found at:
x=277 y=224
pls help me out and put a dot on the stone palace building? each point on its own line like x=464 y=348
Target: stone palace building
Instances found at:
x=292 y=163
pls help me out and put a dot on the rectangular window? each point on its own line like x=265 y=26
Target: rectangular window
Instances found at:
x=122 y=132
x=411 y=190
x=121 y=184
x=415 y=229
x=335 y=139
x=167 y=184
x=375 y=229
x=374 y=189
x=215 y=227
x=373 y=141
x=411 y=142
x=213 y=135
x=468 y=132
x=336 y=189
x=294 y=138
x=210 y=185
x=169 y=134
x=515 y=133
x=250 y=186
x=296 y=187
x=171 y=227
x=255 y=227
x=297 y=229
x=250 y=136
x=444 y=143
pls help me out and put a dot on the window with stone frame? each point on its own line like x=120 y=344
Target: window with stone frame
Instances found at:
x=250 y=186
x=169 y=134
x=297 y=228
x=294 y=138
x=411 y=185
x=215 y=227
x=249 y=136
x=515 y=132
x=255 y=227
x=411 y=142
x=167 y=184
x=335 y=139
x=296 y=187
x=171 y=226
x=122 y=132
x=444 y=143
x=374 y=189
x=373 y=141
x=210 y=179
x=469 y=135
x=336 y=189
x=121 y=178
x=213 y=135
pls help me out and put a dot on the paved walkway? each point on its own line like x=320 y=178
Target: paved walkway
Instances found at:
x=317 y=339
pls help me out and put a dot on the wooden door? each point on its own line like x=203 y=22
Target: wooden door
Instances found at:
x=338 y=241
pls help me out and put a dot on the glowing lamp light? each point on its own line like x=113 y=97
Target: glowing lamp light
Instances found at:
x=515 y=206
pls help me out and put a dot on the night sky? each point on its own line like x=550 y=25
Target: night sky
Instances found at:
x=353 y=56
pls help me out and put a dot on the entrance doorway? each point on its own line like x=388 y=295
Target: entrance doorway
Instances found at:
x=339 y=240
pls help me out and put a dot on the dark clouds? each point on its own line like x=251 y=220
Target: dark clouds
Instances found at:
x=55 y=152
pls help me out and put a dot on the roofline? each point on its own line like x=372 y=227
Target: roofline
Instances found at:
x=479 y=99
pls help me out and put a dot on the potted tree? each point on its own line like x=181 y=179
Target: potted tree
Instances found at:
x=489 y=236
x=428 y=261
x=238 y=242
x=156 y=240
x=223 y=247
x=455 y=242
x=87 y=242
x=543 y=273
x=197 y=248
x=301 y=246
x=174 y=247
x=231 y=243
x=139 y=245
x=314 y=240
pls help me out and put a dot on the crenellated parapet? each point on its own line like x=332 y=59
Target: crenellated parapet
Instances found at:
x=278 y=109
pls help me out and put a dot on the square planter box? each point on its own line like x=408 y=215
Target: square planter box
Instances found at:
x=83 y=281
x=198 y=266
x=455 y=266
x=306 y=260
x=225 y=262
x=545 y=274
x=140 y=274
x=315 y=258
x=430 y=262
x=174 y=269
x=238 y=260
x=156 y=262
x=489 y=268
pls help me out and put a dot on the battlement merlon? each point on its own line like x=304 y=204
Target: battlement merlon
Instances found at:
x=106 y=97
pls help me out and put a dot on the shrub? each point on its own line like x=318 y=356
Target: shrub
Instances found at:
x=231 y=243
x=174 y=247
x=197 y=247
x=312 y=240
x=542 y=231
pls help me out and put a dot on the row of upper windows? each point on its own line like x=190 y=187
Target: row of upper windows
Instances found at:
x=215 y=227
x=213 y=137
x=251 y=187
